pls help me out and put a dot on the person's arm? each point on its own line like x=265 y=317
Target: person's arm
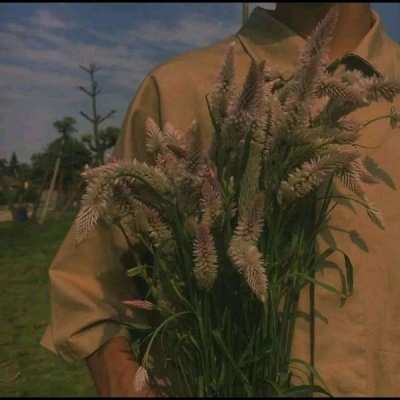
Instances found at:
x=112 y=367
x=88 y=281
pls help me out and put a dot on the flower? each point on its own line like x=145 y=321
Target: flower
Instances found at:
x=141 y=379
x=205 y=256
x=143 y=304
x=394 y=118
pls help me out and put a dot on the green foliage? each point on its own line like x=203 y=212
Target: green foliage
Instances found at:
x=66 y=126
x=73 y=159
x=107 y=140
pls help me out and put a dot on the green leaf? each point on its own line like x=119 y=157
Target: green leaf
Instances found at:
x=196 y=345
x=321 y=284
x=310 y=368
x=137 y=326
x=157 y=259
x=222 y=375
x=218 y=338
x=320 y=259
x=349 y=273
x=140 y=270
x=183 y=373
x=275 y=386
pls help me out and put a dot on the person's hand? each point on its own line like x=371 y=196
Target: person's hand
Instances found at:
x=113 y=368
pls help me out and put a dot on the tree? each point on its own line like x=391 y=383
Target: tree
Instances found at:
x=107 y=139
x=96 y=119
x=72 y=159
x=15 y=190
x=3 y=166
x=3 y=187
x=66 y=127
x=13 y=165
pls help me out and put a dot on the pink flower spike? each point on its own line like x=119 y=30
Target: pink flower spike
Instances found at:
x=143 y=304
x=141 y=379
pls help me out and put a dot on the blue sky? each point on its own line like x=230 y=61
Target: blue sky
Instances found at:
x=43 y=44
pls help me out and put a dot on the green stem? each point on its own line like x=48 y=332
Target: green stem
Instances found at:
x=374 y=120
x=146 y=355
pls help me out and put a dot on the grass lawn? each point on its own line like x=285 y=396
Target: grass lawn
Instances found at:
x=27 y=369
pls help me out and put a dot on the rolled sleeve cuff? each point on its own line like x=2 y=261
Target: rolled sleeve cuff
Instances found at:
x=82 y=345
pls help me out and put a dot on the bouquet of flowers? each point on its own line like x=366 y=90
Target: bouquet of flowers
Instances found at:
x=229 y=233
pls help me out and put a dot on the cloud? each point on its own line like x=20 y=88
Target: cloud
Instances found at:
x=189 y=31
x=45 y=19
x=40 y=73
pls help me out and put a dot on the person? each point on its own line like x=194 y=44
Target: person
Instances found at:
x=357 y=345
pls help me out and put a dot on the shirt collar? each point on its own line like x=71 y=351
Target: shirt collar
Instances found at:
x=265 y=38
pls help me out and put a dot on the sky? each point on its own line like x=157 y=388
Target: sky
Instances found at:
x=42 y=46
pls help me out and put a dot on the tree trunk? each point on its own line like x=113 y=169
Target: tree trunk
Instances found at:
x=60 y=197
x=39 y=197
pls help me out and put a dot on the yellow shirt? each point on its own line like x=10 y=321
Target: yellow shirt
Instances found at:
x=357 y=349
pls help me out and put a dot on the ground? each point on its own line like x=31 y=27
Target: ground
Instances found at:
x=27 y=369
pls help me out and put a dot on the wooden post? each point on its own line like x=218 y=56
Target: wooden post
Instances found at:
x=245 y=12
x=52 y=184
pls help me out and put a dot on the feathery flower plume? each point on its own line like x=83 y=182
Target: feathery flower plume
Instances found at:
x=152 y=175
x=188 y=190
x=247 y=259
x=155 y=141
x=378 y=87
x=85 y=221
x=94 y=203
x=352 y=180
x=159 y=231
x=394 y=118
x=168 y=164
x=210 y=204
x=312 y=61
x=376 y=216
x=196 y=152
x=243 y=110
x=274 y=122
x=89 y=174
x=205 y=257
x=347 y=131
x=358 y=165
x=251 y=176
x=334 y=87
x=142 y=304
x=225 y=86
x=251 y=220
x=317 y=45
x=141 y=379
x=139 y=216
x=352 y=77
x=312 y=174
x=176 y=141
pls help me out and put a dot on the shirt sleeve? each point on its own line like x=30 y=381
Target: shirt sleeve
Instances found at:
x=88 y=281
